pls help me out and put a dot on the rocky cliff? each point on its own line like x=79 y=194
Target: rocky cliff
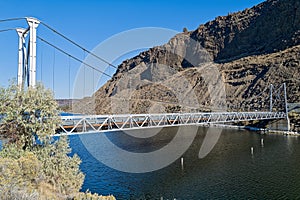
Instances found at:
x=225 y=64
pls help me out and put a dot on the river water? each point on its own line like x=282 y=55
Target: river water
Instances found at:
x=230 y=170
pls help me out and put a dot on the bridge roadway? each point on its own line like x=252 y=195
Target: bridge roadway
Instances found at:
x=80 y=124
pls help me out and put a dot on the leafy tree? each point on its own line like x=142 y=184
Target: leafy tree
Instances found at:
x=29 y=116
x=31 y=161
x=32 y=164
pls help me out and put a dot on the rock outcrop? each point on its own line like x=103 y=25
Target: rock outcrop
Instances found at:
x=225 y=64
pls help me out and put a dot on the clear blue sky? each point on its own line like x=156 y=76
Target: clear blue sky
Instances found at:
x=90 y=22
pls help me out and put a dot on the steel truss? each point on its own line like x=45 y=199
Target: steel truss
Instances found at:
x=103 y=123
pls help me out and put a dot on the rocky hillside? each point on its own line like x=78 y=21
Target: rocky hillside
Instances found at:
x=227 y=63
x=267 y=28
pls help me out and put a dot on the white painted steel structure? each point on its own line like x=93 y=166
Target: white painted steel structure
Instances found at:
x=27 y=55
x=22 y=64
x=33 y=24
x=102 y=123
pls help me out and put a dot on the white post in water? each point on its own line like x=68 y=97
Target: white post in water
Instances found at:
x=33 y=24
x=181 y=163
x=22 y=34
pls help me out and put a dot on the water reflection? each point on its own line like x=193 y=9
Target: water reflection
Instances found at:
x=228 y=171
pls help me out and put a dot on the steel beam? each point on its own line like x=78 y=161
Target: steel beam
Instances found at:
x=33 y=24
x=22 y=33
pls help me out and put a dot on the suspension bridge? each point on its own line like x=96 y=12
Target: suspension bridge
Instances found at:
x=79 y=124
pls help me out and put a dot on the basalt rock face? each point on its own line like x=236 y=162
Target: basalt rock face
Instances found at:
x=267 y=28
x=225 y=64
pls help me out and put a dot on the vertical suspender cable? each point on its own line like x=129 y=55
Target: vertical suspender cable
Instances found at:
x=94 y=89
x=74 y=58
x=83 y=74
x=41 y=64
x=53 y=71
x=79 y=46
x=69 y=77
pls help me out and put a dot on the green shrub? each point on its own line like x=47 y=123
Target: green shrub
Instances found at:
x=19 y=176
x=32 y=164
x=28 y=115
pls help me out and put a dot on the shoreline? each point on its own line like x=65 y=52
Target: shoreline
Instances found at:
x=259 y=130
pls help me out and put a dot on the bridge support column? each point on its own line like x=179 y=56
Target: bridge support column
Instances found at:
x=271 y=98
x=22 y=33
x=286 y=108
x=33 y=24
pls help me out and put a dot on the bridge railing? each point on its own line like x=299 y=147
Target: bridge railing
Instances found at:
x=103 y=123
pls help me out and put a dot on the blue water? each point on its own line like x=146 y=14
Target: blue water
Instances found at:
x=229 y=171
x=68 y=114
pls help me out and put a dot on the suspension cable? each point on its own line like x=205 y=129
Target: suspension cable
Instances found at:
x=12 y=19
x=76 y=44
x=9 y=29
x=73 y=57
x=62 y=35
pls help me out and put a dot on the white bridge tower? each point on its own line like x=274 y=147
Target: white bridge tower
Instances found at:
x=27 y=55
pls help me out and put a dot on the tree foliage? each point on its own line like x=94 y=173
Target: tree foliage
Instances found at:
x=45 y=170
x=29 y=116
x=32 y=163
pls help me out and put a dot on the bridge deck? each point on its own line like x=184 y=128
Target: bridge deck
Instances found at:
x=103 y=123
